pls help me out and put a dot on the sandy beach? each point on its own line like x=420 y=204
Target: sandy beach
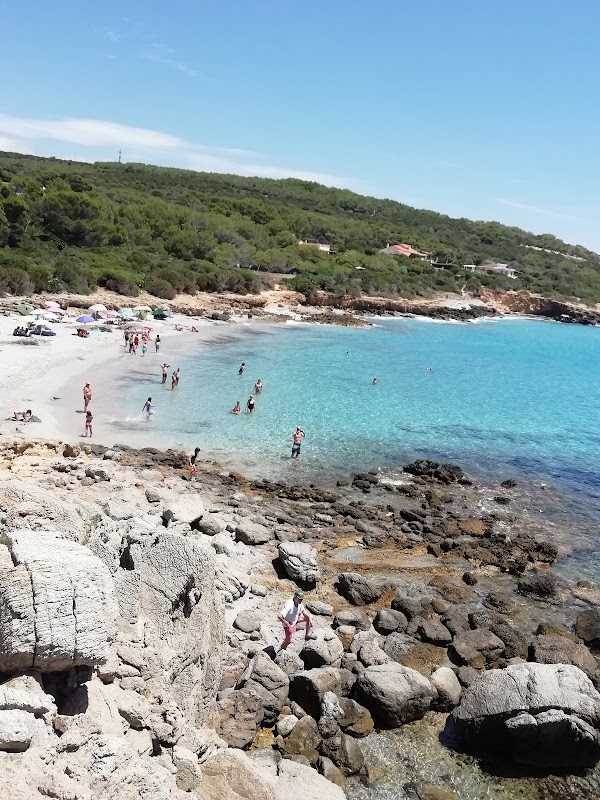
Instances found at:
x=47 y=374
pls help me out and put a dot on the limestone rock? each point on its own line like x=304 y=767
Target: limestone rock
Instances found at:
x=298 y=782
x=253 y=533
x=325 y=649
x=388 y=621
x=318 y=608
x=247 y=621
x=231 y=775
x=304 y=740
x=57 y=604
x=271 y=683
x=541 y=714
x=394 y=694
x=239 y=715
x=299 y=560
x=448 y=688
x=356 y=617
x=231 y=581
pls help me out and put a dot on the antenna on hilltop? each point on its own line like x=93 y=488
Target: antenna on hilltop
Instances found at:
x=120 y=157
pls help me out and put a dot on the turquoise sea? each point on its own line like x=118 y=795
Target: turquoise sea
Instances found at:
x=503 y=398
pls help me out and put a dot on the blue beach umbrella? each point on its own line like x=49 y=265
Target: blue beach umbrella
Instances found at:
x=85 y=318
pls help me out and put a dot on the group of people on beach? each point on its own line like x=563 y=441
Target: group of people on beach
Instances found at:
x=132 y=341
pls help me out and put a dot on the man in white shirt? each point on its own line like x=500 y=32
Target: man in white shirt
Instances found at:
x=292 y=615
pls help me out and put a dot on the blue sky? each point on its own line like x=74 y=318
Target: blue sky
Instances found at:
x=486 y=109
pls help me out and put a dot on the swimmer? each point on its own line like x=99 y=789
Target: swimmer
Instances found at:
x=374 y=381
x=192 y=462
x=429 y=369
x=88 y=423
x=242 y=368
x=148 y=407
x=250 y=405
x=258 y=387
x=236 y=409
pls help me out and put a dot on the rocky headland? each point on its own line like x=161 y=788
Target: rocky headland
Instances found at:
x=139 y=641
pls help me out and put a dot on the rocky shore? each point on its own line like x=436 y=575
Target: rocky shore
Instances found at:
x=139 y=641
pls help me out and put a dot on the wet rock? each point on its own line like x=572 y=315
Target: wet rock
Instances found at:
x=345 y=753
x=509 y=484
x=448 y=689
x=304 y=740
x=432 y=470
x=247 y=621
x=533 y=585
x=355 y=720
x=478 y=648
x=358 y=590
x=431 y=792
x=252 y=533
x=543 y=715
x=388 y=621
x=394 y=694
x=353 y=616
x=587 y=626
x=300 y=562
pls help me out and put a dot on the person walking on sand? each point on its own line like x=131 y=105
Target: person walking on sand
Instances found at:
x=157 y=343
x=87 y=396
x=88 y=423
x=148 y=408
x=175 y=379
x=192 y=462
x=297 y=437
x=165 y=369
x=144 y=349
x=250 y=405
x=126 y=337
x=242 y=368
x=292 y=615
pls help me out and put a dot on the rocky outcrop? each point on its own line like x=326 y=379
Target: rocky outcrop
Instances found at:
x=299 y=560
x=544 y=715
x=57 y=604
x=394 y=694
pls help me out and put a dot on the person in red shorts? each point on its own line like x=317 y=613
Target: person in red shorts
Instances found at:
x=292 y=615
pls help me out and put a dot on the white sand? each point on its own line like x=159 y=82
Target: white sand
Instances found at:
x=34 y=374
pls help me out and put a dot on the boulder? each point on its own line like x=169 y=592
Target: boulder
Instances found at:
x=271 y=683
x=231 y=580
x=53 y=618
x=355 y=617
x=238 y=716
x=370 y=653
x=388 y=621
x=319 y=608
x=434 y=632
x=325 y=649
x=538 y=585
x=540 y=714
x=448 y=689
x=231 y=775
x=345 y=753
x=412 y=653
x=186 y=508
x=247 y=621
x=551 y=649
x=394 y=694
x=304 y=740
x=286 y=724
x=587 y=626
x=309 y=686
x=298 y=782
x=358 y=590
x=299 y=561
x=253 y=533
x=355 y=720
x=329 y=770
x=478 y=648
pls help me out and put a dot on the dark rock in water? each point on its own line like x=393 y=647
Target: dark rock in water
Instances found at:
x=587 y=626
x=544 y=715
x=358 y=590
x=394 y=694
x=502 y=499
x=352 y=616
x=387 y=621
x=509 y=484
x=538 y=586
x=345 y=753
x=432 y=470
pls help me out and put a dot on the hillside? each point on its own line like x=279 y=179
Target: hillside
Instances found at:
x=73 y=226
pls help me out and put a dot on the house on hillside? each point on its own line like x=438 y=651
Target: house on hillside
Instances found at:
x=324 y=247
x=493 y=268
x=406 y=250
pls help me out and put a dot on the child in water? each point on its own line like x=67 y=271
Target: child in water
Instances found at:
x=88 y=423
x=148 y=407
x=236 y=409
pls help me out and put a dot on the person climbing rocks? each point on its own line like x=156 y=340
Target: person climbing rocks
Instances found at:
x=292 y=615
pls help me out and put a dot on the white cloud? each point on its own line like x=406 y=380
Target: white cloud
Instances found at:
x=159 y=58
x=546 y=212
x=100 y=140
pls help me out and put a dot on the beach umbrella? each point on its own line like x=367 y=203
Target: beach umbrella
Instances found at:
x=111 y=313
x=51 y=305
x=142 y=308
x=50 y=315
x=97 y=307
x=24 y=308
x=85 y=318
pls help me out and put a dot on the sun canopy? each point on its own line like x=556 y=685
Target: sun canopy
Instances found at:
x=85 y=318
x=97 y=307
x=51 y=305
x=24 y=308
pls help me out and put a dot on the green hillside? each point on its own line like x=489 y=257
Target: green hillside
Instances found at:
x=74 y=226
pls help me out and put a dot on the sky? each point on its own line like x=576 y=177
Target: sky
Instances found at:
x=486 y=109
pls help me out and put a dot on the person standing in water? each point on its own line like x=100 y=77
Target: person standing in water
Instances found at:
x=87 y=396
x=157 y=343
x=192 y=462
x=175 y=379
x=236 y=409
x=165 y=368
x=88 y=423
x=242 y=368
x=258 y=387
x=250 y=405
x=297 y=437
x=148 y=407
